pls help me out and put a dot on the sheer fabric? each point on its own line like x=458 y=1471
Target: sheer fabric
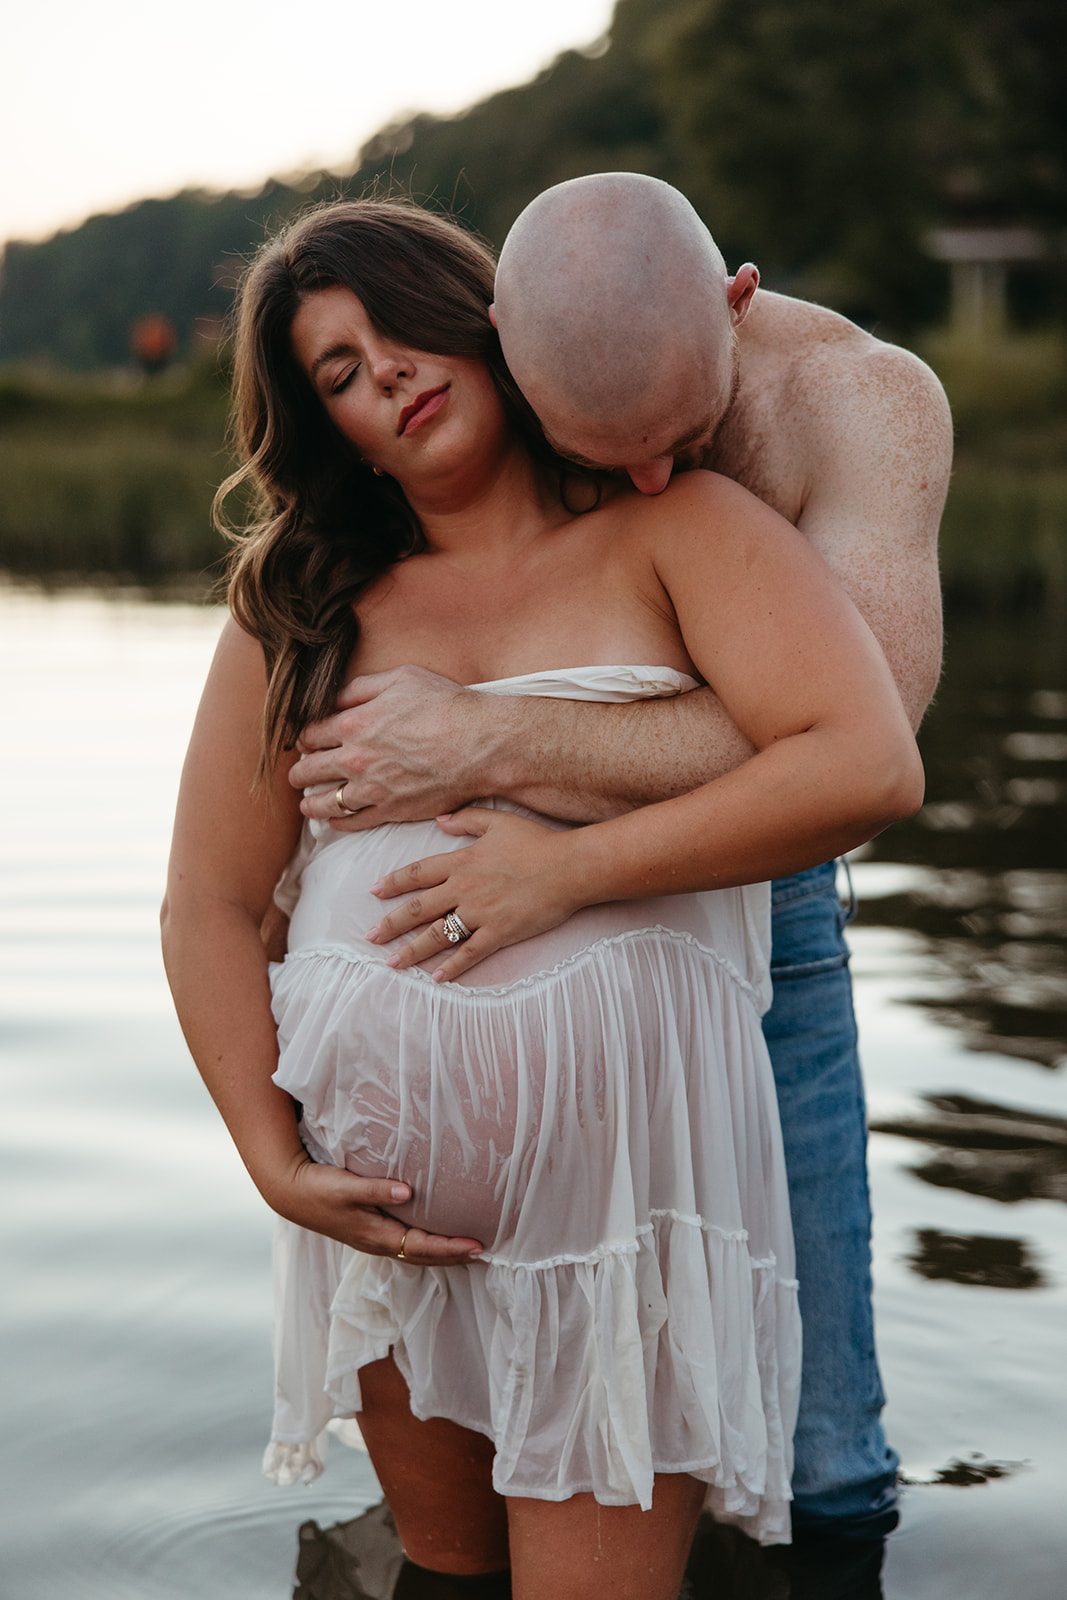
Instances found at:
x=596 y=1106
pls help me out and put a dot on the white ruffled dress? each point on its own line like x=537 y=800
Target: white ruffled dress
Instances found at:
x=596 y=1106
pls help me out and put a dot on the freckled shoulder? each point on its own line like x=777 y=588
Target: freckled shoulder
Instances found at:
x=844 y=397
x=880 y=398
x=867 y=428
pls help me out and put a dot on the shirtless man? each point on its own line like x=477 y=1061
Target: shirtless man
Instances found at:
x=640 y=354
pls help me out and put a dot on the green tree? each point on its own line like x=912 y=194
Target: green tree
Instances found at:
x=825 y=139
x=819 y=138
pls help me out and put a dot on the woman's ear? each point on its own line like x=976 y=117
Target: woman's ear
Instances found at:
x=492 y=314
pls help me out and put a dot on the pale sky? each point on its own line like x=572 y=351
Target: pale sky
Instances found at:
x=107 y=101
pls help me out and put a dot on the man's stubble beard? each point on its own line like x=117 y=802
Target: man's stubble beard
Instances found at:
x=710 y=451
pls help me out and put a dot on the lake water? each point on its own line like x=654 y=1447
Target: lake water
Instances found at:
x=136 y=1373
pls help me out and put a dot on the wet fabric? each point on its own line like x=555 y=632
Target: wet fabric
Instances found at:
x=597 y=1106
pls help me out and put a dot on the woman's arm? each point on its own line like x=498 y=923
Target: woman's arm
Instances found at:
x=771 y=630
x=230 y=845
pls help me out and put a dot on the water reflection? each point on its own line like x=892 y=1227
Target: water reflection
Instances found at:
x=991 y=1150
x=978 y=1260
x=363 y=1560
x=997 y=957
x=357 y=1560
x=815 y=1566
x=993 y=832
x=132 y=1430
x=969 y=1474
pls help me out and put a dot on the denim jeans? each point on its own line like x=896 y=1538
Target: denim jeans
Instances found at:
x=844 y=1468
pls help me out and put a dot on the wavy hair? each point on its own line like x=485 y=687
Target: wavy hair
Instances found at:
x=323 y=525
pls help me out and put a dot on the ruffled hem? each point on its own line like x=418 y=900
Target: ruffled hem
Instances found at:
x=286 y=1463
x=289 y=971
x=607 y=1126
x=675 y=1352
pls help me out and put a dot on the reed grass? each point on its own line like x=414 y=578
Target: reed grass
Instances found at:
x=112 y=478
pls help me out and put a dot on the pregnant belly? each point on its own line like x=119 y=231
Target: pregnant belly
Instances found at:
x=468 y=1090
x=440 y=1087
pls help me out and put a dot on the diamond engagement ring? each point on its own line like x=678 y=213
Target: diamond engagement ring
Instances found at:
x=456 y=929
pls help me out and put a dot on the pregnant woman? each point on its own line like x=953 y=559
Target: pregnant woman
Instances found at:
x=593 y=1105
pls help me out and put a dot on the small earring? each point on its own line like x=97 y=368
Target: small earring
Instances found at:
x=378 y=473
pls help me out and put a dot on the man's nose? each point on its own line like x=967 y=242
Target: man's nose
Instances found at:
x=653 y=478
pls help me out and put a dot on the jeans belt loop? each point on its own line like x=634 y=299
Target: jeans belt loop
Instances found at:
x=851 y=908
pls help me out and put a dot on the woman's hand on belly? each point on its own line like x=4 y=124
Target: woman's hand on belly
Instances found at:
x=354 y=1211
x=510 y=885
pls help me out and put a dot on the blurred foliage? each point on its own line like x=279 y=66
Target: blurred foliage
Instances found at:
x=116 y=479
x=1004 y=532
x=73 y=299
x=113 y=477
x=818 y=139
x=823 y=140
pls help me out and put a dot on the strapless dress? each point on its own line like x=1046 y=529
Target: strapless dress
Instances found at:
x=596 y=1106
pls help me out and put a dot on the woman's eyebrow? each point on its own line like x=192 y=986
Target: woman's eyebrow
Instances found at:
x=331 y=354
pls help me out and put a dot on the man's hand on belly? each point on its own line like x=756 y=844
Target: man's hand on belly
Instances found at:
x=355 y=1211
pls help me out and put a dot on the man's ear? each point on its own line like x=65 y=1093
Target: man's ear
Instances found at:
x=739 y=291
x=492 y=314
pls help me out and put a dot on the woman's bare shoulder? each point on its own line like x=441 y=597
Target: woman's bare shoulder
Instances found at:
x=698 y=504
x=238 y=660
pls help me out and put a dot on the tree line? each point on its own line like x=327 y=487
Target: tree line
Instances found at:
x=820 y=140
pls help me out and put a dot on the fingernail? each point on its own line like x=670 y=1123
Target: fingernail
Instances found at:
x=446 y=816
x=439 y=975
x=393 y=960
x=474 y=1255
x=400 y=1191
x=372 y=934
x=376 y=888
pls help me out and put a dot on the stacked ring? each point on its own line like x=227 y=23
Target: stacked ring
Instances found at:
x=455 y=928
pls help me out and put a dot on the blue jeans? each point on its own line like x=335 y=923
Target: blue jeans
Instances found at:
x=844 y=1468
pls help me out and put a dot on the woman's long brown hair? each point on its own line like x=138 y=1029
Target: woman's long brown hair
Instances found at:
x=323 y=524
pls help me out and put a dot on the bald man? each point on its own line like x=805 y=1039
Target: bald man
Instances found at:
x=642 y=355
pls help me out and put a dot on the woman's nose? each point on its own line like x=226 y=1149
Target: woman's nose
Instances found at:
x=390 y=363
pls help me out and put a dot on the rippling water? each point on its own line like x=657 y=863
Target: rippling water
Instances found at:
x=137 y=1371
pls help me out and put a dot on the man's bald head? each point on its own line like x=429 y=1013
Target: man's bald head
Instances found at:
x=613 y=312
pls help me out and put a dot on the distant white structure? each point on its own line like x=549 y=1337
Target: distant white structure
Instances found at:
x=979 y=259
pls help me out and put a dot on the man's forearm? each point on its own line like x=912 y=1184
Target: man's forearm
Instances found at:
x=406 y=745
x=587 y=762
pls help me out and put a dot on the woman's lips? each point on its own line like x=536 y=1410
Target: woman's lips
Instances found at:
x=422 y=409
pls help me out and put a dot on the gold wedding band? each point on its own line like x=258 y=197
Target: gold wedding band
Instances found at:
x=400 y=1256
x=346 y=811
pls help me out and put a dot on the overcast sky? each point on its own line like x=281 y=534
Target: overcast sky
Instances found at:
x=107 y=101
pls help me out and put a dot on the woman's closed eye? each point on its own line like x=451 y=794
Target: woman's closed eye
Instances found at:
x=341 y=383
